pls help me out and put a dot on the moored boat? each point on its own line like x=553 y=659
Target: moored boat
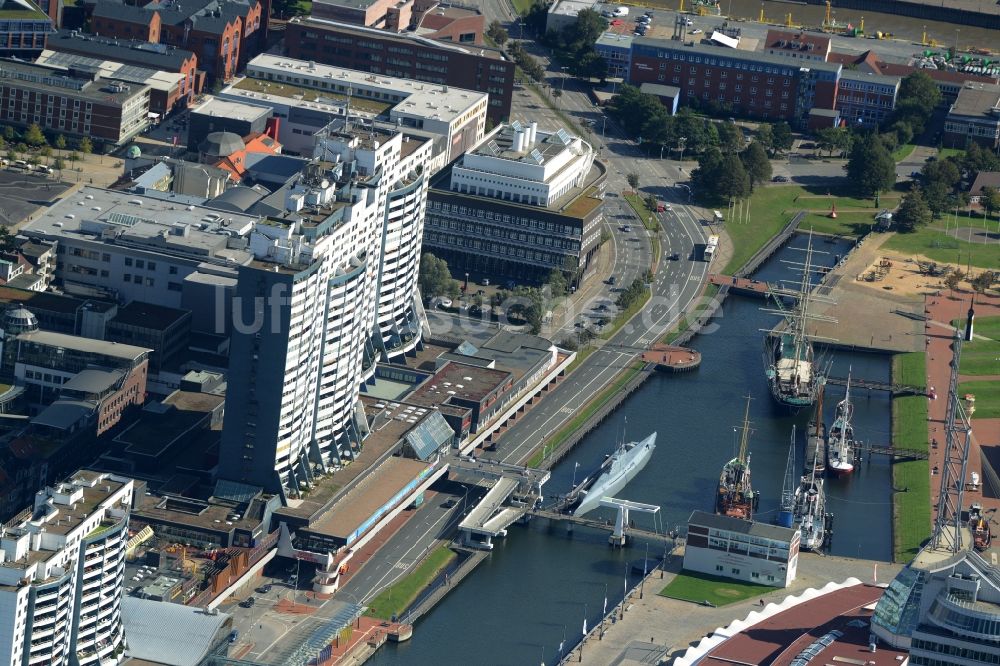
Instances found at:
x=735 y=497
x=841 y=447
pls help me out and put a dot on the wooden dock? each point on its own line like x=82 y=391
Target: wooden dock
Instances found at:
x=871 y=385
x=671 y=358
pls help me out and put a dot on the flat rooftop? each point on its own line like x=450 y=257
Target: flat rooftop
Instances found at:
x=615 y=40
x=156 y=225
x=92 y=498
x=978 y=99
x=406 y=96
x=57 y=81
x=149 y=315
x=362 y=501
x=571 y=7
x=88 y=345
x=459 y=381
x=711 y=50
x=500 y=145
x=224 y=108
x=112 y=69
x=157 y=56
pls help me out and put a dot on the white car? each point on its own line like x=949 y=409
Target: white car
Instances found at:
x=619 y=12
x=697 y=31
x=688 y=22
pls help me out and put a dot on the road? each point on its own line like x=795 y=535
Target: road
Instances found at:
x=676 y=285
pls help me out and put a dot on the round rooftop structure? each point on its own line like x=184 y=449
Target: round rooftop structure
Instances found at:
x=19 y=319
x=221 y=144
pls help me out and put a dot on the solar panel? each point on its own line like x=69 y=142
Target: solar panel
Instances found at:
x=517 y=126
x=537 y=156
x=563 y=137
x=126 y=220
x=493 y=147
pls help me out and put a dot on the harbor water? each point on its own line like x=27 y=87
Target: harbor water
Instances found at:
x=538 y=585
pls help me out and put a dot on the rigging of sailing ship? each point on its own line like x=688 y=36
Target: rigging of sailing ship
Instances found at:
x=735 y=496
x=793 y=372
x=809 y=511
x=841 y=448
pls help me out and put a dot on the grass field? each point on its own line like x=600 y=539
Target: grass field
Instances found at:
x=988 y=327
x=938 y=246
x=910 y=369
x=522 y=6
x=911 y=509
x=980 y=357
x=950 y=152
x=647 y=216
x=772 y=207
x=846 y=224
x=902 y=152
x=397 y=597
x=987 y=397
x=698 y=587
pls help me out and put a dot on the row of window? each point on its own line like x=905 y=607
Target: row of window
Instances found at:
x=736 y=572
x=516 y=220
x=449 y=241
x=721 y=62
x=500 y=233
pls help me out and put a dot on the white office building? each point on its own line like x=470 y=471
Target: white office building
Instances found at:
x=62 y=569
x=331 y=288
x=306 y=96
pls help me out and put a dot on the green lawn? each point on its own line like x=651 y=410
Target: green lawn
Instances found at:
x=911 y=509
x=397 y=597
x=772 y=207
x=846 y=224
x=988 y=327
x=938 y=246
x=987 y=398
x=647 y=216
x=980 y=357
x=950 y=152
x=622 y=317
x=522 y=6
x=910 y=369
x=902 y=152
x=698 y=587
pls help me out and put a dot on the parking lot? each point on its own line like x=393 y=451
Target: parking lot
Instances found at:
x=22 y=193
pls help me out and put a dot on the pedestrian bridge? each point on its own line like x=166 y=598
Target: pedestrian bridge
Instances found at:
x=513 y=492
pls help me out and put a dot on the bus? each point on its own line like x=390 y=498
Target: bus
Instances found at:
x=710 y=248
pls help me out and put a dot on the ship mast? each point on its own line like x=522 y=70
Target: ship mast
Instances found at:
x=744 y=456
x=788 y=486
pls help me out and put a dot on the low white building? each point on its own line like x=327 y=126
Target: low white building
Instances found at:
x=62 y=568
x=733 y=548
x=306 y=96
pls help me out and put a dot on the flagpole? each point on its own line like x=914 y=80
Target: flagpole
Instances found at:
x=604 y=613
x=584 y=639
x=644 y=562
x=626 y=591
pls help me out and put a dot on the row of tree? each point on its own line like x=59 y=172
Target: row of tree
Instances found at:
x=632 y=294
x=525 y=61
x=34 y=138
x=574 y=45
x=642 y=116
x=728 y=176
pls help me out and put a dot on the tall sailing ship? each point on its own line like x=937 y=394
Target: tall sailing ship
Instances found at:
x=791 y=366
x=735 y=496
x=841 y=447
x=809 y=511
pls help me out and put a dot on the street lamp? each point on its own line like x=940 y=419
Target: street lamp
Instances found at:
x=683 y=143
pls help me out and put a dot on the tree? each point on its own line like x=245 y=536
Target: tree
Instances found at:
x=434 y=278
x=61 y=142
x=583 y=33
x=913 y=211
x=557 y=283
x=7 y=241
x=983 y=281
x=86 y=147
x=633 y=180
x=497 y=33
x=943 y=171
x=783 y=138
x=731 y=139
x=765 y=136
x=952 y=280
x=287 y=8
x=757 y=166
x=650 y=201
x=733 y=180
x=833 y=138
x=9 y=133
x=871 y=168
x=590 y=65
x=989 y=199
x=74 y=157
x=916 y=100
x=33 y=136
x=59 y=164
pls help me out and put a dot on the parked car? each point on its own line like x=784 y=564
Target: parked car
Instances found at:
x=611 y=280
x=697 y=31
x=626 y=228
x=264 y=589
x=248 y=602
x=780 y=179
x=675 y=256
x=20 y=164
x=662 y=207
x=450 y=503
x=44 y=168
x=233 y=635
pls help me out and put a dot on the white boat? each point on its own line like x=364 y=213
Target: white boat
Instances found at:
x=810 y=512
x=840 y=450
x=620 y=468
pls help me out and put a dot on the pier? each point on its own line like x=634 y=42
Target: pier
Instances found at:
x=740 y=285
x=895 y=389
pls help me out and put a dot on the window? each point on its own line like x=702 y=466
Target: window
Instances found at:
x=128 y=262
x=735 y=571
x=719 y=567
x=173 y=270
x=151 y=265
x=754 y=574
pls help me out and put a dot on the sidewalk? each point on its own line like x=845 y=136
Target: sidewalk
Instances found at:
x=942 y=309
x=593 y=284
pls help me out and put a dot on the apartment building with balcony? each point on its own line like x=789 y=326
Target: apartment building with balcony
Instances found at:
x=331 y=288
x=522 y=203
x=62 y=567
x=866 y=99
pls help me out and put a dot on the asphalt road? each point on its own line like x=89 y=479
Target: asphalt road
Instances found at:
x=677 y=282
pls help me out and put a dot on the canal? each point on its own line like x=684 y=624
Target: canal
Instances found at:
x=540 y=582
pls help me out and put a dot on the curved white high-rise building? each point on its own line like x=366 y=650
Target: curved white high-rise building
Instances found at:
x=329 y=292
x=62 y=570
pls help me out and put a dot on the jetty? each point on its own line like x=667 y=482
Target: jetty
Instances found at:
x=670 y=358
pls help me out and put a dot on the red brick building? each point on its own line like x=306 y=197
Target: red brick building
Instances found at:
x=797 y=45
x=747 y=83
x=223 y=35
